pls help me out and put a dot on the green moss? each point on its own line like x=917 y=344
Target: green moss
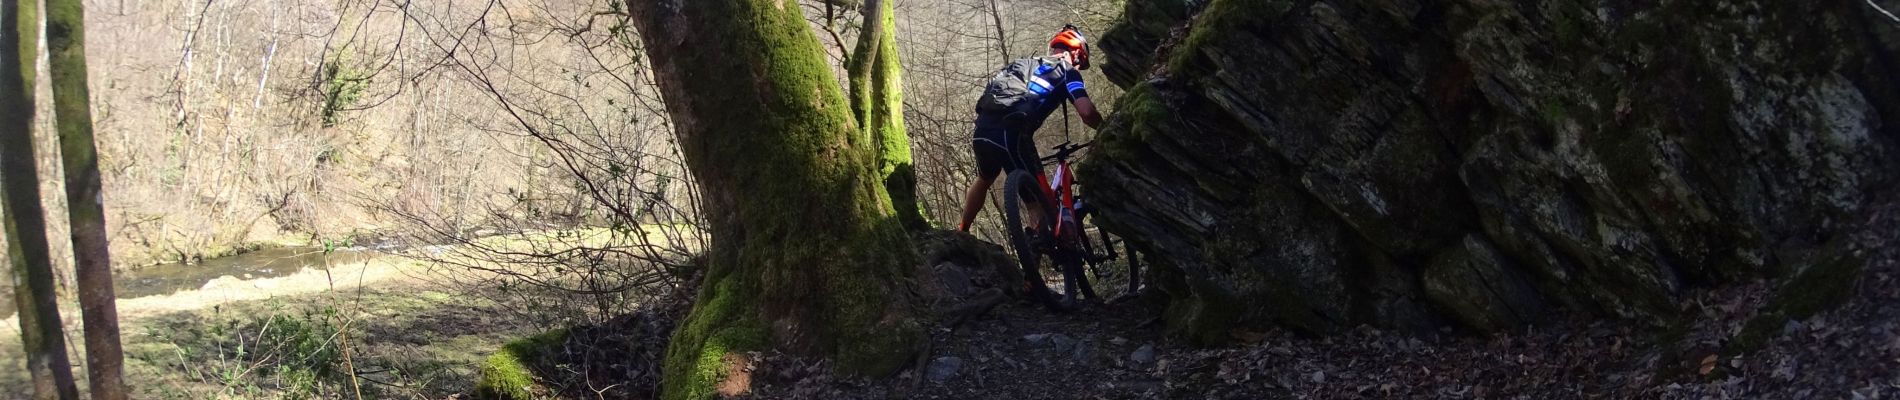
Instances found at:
x=807 y=255
x=900 y=179
x=870 y=332
x=1156 y=17
x=1554 y=113
x=878 y=101
x=858 y=327
x=1204 y=314
x=722 y=322
x=887 y=124
x=863 y=322
x=1825 y=282
x=1197 y=309
x=504 y=377
x=1127 y=130
x=1823 y=285
x=1219 y=20
x=509 y=373
x=28 y=43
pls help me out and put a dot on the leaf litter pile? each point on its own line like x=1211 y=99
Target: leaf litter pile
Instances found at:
x=1118 y=351
x=1022 y=351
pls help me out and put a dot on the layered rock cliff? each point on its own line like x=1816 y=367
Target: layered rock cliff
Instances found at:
x=1413 y=164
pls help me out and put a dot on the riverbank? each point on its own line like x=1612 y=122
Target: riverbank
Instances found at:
x=297 y=324
x=284 y=262
x=155 y=255
x=278 y=337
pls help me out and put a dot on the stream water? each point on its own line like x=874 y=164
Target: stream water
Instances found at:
x=171 y=278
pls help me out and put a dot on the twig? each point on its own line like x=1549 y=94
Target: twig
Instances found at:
x=917 y=366
x=349 y=365
x=373 y=380
x=1870 y=3
x=602 y=392
x=343 y=333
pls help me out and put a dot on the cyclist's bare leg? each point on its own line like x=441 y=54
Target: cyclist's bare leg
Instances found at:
x=1036 y=209
x=973 y=203
x=973 y=200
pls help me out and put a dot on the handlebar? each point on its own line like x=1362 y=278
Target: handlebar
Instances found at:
x=1064 y=150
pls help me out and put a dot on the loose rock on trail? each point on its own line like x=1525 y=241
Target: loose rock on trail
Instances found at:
x=1120 y=351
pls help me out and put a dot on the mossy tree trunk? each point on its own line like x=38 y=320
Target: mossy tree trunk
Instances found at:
x=877 y=97
x=807 y=255
x=72 y=111
x=25 y=222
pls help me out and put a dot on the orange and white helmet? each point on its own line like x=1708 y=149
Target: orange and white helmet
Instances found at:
x=1071 y=38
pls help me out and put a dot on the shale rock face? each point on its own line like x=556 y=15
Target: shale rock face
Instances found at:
x=1416 y=163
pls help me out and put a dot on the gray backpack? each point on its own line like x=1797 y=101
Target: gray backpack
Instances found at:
x=1021 y=86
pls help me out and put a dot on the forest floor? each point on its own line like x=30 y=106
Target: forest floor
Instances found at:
x=418 y=340
x=1021 y=351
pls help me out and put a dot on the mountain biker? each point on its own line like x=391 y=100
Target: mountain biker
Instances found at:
x=1005 y=140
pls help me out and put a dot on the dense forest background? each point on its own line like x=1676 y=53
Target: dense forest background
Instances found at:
x=512 y=151
x=689 y=199
x=229 y=125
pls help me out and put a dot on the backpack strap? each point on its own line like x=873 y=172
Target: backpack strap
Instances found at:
x=1058 y=66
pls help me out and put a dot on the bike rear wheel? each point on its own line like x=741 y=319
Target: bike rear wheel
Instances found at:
x=1020 y=191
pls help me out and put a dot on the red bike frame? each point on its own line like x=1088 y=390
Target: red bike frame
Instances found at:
x=1064 y=209
x=1059 y=203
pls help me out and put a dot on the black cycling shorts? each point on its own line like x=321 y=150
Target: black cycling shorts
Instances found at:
x=1000 y=150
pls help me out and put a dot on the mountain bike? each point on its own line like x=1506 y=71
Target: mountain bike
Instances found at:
x=1059 y=235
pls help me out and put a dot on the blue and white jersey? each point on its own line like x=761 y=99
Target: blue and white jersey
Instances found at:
x=1071 y=88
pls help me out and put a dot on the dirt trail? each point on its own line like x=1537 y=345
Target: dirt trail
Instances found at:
x=1023 y=351
x=1020 y=350
x=1099 y=352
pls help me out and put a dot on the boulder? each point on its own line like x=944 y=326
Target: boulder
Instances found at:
x=1411 y=164
x=957 y=265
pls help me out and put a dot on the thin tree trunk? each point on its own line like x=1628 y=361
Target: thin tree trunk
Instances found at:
x=1002 y=40
x=34 y=292
x=806 y=254
x=877 y=94
x=863 y=59
x=72 y=111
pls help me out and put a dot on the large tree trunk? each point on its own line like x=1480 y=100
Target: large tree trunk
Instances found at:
x=877 y=96
x=40 y=327
x=66 y=38
x=806 y=253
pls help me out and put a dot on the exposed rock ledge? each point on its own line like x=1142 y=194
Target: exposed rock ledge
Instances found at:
x=1413 y=164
